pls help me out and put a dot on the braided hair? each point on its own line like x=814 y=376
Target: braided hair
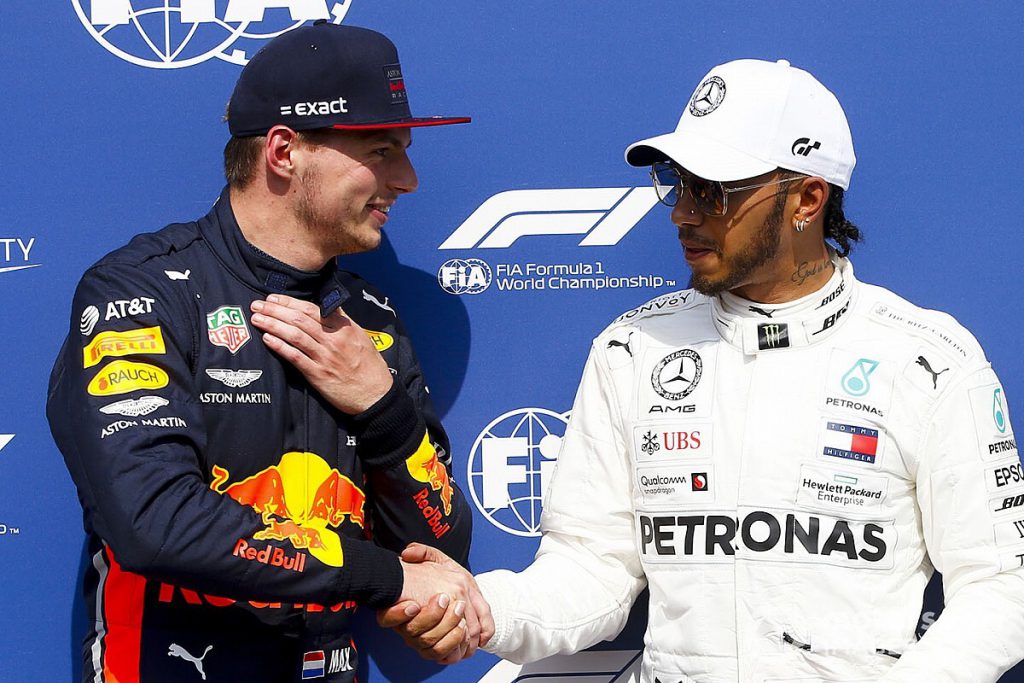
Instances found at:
x=837 y=227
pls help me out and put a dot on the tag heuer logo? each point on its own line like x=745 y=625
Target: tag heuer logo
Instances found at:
x=226 y=327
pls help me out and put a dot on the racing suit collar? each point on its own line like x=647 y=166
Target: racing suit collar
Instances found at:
x=757 y=328
x=263 y=272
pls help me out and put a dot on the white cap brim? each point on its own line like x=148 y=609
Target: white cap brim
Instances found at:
x=700 y=156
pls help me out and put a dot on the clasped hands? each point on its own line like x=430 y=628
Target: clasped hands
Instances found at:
x=441 y=613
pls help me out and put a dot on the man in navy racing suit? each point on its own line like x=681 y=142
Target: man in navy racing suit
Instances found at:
x=247 y=426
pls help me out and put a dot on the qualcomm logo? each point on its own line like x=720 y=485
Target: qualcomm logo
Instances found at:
x=511 y=464
x=602 y=214
x=15 y=252
x=170 y=34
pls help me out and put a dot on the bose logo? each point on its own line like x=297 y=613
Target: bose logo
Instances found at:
x=316 y=108
x=603 y=214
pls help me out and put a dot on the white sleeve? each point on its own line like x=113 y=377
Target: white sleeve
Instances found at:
x=970 y=492
x=586 y=573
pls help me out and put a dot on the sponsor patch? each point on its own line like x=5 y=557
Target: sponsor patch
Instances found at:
x=858 y=383
x=147 y=340
x=835 y=490
x=135 y=407
x=677 y=375
x=1010 y=532
x=765 y=535
x=992 y=422
x=899 y=320
x=1010 y=503
x=234 y=378
x=121 y=377
x=675 y=485
x=772 y=336
x=1005 y=474
x=226 y=327
x=851 y=442
x=1011 y=560
x=381 y=340
x=670 y=441
x=163 y=422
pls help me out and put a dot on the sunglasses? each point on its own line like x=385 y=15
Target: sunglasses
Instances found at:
x=710 y=196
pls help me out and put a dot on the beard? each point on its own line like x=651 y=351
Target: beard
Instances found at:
x=328 y=227
x=759 y=251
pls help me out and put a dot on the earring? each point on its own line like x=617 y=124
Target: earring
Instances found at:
x=800 y=225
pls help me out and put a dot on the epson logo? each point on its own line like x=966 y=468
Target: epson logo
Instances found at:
x=322 y=108
x=785 y=536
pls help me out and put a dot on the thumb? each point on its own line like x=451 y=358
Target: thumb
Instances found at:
x=417 y=552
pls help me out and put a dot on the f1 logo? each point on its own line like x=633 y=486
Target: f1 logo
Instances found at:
x=603 y=214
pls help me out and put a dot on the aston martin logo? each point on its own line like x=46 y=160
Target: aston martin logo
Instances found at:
x=234 y=378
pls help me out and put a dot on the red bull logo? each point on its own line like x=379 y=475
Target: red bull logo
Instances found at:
x=424 y=466
x=299 y=498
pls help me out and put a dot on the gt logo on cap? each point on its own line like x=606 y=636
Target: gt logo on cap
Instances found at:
x=803 y=147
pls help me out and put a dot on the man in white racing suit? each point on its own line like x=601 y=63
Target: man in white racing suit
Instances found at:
x=782 y=454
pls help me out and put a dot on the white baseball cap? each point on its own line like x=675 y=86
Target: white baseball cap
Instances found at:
x=748 y=117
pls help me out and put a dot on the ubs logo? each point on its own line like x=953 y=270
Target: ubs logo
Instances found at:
x=171 y=34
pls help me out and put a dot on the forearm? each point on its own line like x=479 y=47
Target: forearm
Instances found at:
x=978 y=637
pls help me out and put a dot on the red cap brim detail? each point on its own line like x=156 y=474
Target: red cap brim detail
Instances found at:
x=408 y=123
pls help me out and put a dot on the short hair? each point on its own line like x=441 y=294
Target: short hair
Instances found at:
x=242 y=155
x=837 y=228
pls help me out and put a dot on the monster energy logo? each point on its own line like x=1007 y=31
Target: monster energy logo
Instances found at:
x=772 y=336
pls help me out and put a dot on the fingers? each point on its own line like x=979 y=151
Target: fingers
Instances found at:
x=417 y=552
x=437 y=640
x=398 y=614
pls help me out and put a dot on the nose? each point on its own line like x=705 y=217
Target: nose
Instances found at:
x=685 y=212
x=403 y=176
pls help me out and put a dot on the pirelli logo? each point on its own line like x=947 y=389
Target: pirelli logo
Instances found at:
x=147 y=340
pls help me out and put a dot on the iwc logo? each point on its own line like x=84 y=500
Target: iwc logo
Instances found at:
x=708 y=97
x=170 y=34
x=677 y=374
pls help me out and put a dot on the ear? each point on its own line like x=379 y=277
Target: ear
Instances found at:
x=282 y=143
x=812 y=195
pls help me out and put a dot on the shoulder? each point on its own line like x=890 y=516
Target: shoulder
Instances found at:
x=366 y=303
x=933 y=329
x=160 y=253
x=663 y=305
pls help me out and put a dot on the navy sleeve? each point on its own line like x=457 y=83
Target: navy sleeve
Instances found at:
x=407 y=454
x=123 y=410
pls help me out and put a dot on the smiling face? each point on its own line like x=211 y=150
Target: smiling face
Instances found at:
x=347 y=184
x=741 y=248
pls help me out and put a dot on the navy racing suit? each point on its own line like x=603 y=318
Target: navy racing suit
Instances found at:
x=234 y=517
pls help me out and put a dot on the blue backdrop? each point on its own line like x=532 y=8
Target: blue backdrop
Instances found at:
x=528 y=233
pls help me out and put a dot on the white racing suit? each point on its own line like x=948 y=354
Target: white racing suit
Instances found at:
x=784 y=479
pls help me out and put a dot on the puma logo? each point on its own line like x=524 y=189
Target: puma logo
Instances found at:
x=923 y=362
x=756 y=309
x=176 y=275
x=178 y=651
x=374 y=300
x=625 y=344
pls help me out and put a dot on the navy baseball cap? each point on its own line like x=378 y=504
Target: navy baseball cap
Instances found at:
x=325 y=76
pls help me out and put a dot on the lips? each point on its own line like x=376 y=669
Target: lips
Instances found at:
x=380 y=211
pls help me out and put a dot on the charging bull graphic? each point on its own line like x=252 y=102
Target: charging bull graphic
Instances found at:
x=299 y=498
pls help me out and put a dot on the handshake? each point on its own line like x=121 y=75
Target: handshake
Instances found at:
x=441 y=613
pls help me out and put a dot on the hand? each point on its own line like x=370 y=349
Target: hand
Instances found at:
x=438 y=632
x=427 y=629
x=334 y=353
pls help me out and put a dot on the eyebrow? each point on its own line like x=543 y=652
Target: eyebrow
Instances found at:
x=391 y=139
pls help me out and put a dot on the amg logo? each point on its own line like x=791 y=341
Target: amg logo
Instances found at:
x=784 y=535
x=672 y=409
x=321 y=108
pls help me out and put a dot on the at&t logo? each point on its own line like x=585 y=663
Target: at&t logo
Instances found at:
x=464 y=276
x=511 y=464
x=169 y=34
